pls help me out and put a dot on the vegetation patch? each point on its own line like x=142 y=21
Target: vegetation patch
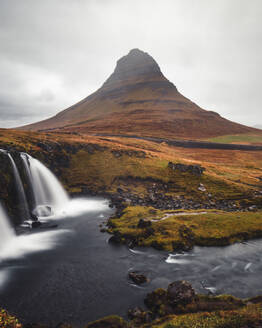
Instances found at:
x=8 y=321
x=177 y=230
x=241 y=138
x=248 y=316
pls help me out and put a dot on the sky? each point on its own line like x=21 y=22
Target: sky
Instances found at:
x=54 y=53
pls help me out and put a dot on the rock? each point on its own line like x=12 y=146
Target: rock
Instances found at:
x=42 y=210
x=115 y=239
x=201 y=187
x=144 y=223
x=138 y=278
x=111 y=321
x=193 y=169
x=138 y=316
x=252 y=208
x=34 y=217
x=35 y=224
x=180 y=292
x=156 y=299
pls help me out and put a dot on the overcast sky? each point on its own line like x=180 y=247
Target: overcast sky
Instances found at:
x=53 y=53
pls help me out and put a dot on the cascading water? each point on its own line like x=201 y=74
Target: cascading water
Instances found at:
x=6 y=231
x=20 y=190
x=47 y=190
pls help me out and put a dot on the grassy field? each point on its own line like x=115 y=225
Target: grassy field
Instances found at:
x=239 y=139
x=249 y=316
x=177 y=230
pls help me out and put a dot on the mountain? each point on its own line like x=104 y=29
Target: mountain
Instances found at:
x=137 y=99
x=258 y=126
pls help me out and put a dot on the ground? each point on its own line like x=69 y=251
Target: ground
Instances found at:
x=179 y=208
x=181 y=230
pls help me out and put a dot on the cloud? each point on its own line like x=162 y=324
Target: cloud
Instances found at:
x=54 y=53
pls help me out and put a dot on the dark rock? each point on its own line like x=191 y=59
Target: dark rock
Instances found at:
x=193 y=169
x=36 y=224
x=138 y=278
x=116 y=238
x=156 y=300
x=112 y=321
x=144 y=223
x=148 y=232
x=180 y=292
x=139 y=316
x=34 y=217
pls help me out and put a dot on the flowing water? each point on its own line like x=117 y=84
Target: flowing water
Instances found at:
x=66 y=270
x=25 y=213
x=69 y=271
x=47 y=190
x=7 y=233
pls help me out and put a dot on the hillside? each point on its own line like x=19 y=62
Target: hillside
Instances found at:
x=138 y=99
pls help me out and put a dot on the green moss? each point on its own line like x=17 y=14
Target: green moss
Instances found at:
x=249 y=316
x=112 y=321
x=183 y=230
x=8 y=321
x=246 y=138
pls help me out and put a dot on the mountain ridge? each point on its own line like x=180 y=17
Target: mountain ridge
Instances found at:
x=138 y=99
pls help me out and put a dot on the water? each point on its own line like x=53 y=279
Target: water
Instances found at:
x=71 y=273
x=20 y=190
x=7 y=233
x=47 y=190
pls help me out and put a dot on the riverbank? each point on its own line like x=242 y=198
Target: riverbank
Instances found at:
x=182 y=230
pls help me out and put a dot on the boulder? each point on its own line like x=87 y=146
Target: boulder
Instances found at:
x=201 y=187
x=144 y=223
x=35 y=224
x=138 y=278
x=116 y=238
x=139 y=316
x=180 y=293
x=193 y=169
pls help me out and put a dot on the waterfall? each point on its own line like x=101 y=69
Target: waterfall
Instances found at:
x=25 y=160
x=20 y=190
x=6 y=231
x=47 y=190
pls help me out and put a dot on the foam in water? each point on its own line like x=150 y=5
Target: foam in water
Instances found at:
x=7 y=233
x=46 y=188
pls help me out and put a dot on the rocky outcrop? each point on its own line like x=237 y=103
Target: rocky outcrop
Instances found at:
x=193 y=169
x=138 y=278
x=180 y=292
x=112 y=321
x=180 y=297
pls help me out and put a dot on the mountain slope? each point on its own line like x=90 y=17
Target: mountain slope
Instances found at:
x=138 y=99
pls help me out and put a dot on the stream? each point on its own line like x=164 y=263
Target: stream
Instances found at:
x=66 y=271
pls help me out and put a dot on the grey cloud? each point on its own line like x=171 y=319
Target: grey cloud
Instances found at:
x=54 y=53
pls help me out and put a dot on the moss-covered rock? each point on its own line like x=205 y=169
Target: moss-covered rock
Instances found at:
x=181 y=230
x=112 y=321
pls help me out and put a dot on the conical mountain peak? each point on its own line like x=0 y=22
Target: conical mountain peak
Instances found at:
x=136 y=65
x=137 y=99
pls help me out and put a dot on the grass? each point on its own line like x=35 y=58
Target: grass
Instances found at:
x=8 y=321
x=241 y=138
x=215 y=228
x=249 y=316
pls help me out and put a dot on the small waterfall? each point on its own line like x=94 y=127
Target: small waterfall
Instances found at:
x=25 y=159
x=6 y=231
x=20 y=190
x=47 y=190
